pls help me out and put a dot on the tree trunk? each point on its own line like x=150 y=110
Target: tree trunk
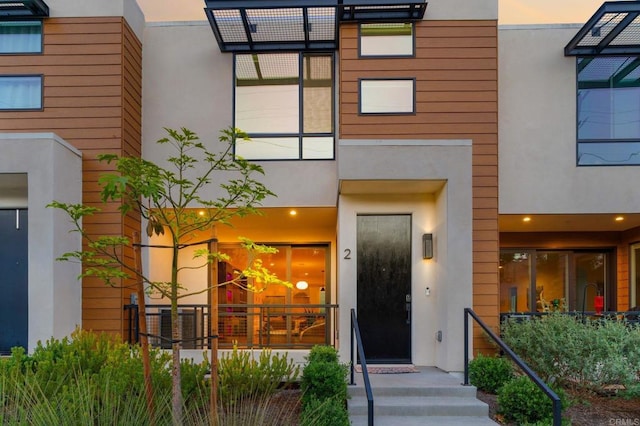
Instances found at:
x=176 y=390
x=213 y=332
x=142 y=330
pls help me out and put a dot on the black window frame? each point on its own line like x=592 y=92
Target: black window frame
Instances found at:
x=414 y=100
x=581 y=63
x=41 y=107
x=389 y=56
x=301 y=135
x=40 y=21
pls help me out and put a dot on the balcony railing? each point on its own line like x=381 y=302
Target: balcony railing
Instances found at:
x=293 y=326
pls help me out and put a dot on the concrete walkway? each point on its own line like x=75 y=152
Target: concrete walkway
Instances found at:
x=428 y=397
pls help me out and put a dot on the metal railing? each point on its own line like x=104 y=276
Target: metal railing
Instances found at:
x=355 y=332
x=629 y=317
x=557 y=405
x=291 y=326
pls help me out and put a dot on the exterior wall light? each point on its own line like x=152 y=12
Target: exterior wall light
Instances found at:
x=427 y=246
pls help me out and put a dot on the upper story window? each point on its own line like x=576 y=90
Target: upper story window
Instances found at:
x=20 y=92
x=20 y=37
x=387 y=39
x=284 y=101
x=387 y=96
x=608 y=110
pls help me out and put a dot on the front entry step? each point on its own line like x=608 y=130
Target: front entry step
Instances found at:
x=429 y=397
x=423 y=421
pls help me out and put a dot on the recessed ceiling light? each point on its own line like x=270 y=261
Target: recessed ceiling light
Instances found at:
x=526 y=219
x=619 y=218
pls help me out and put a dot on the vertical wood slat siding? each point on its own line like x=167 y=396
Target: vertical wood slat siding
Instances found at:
x=456 y=98
x=86 y=63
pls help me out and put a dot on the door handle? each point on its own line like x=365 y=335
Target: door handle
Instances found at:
x=407 y=307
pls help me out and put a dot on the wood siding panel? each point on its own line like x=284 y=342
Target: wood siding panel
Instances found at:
x=456 y=73
x=92 y=93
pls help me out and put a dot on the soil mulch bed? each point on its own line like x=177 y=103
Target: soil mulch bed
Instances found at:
x=586 y=410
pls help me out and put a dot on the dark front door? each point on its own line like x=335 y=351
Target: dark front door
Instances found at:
x=384 y=287
x=14 y=316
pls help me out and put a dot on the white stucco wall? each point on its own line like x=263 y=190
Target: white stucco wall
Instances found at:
x=447 y=213
x=462 y=9
x=537 y=97
x=54 y=172
x=129 y=9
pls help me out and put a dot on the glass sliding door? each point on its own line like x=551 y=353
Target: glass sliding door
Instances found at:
x=591 y=278
x=534 y=280
x=515 y=281
x=552 y=281
x=277 y=316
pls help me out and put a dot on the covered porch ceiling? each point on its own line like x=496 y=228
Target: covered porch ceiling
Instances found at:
x=272 y=25
x=602 y=222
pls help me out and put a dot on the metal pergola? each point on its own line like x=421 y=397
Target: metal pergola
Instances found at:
x=23 y=9
x=614 y=30
x=272 y=25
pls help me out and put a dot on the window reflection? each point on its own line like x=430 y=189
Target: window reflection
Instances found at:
x=386 y=39
x=608 y=111
x=387 y=96
x=546 y=281
x=277 y=315
x=280 y=100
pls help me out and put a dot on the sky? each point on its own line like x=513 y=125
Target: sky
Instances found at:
x=510 y=11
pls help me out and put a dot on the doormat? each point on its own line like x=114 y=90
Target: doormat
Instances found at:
x=388 y=369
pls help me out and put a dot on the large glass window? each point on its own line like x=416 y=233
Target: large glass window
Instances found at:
x=284 y=101
x=20 y=37
x=277 y=315
x=608 y=110
x=386 y=39
x=21 y=92
x=544 y=281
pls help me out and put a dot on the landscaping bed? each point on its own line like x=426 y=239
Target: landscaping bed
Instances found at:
x=586 y=410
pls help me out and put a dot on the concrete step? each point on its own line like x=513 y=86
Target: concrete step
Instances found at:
x=440 y=390
x=423 y=421
x=420 y=406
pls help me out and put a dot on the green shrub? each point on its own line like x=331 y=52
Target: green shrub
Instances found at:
x=91 y=374
x=490 y=373
x=241 y=375
x=328 y=412
x=321 y=353
x=78 y=402
x=561 y=348
x=520 y=400
x=323 y=380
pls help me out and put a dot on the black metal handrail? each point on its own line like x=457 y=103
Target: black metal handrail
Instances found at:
x=355 y=332
x=557 y=405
